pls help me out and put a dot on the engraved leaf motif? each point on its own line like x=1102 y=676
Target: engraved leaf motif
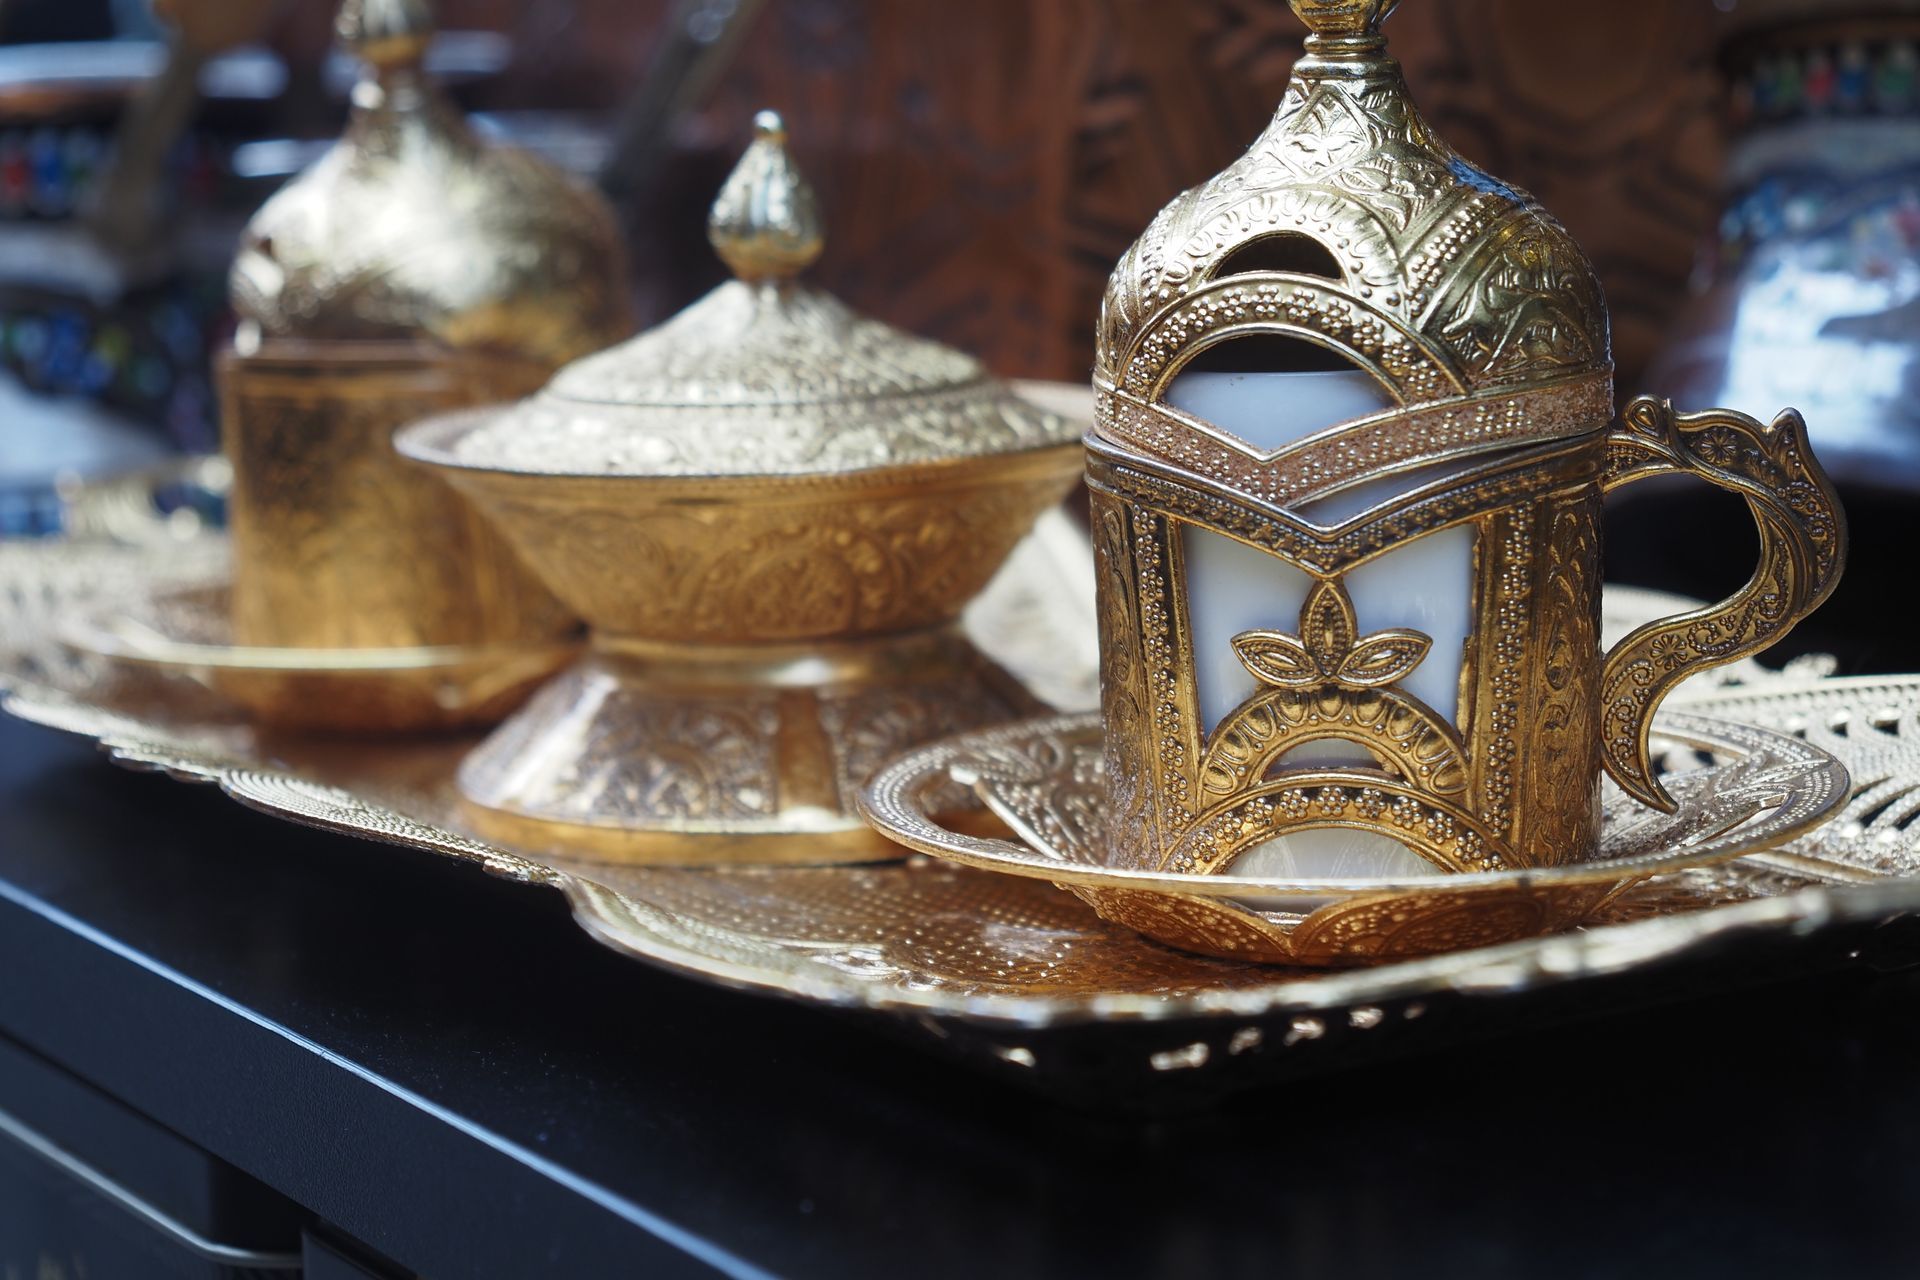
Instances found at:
x=1327 y=625
x=1382 y=658
x=1276 y=658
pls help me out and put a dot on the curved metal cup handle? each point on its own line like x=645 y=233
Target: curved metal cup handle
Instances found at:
x=1803 y=543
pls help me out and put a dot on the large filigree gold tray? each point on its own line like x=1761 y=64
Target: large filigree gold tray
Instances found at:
x=1013 y=974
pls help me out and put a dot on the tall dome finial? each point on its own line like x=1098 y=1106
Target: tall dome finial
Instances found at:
x=765 y=224
x=388 y=35
x=1343 y=18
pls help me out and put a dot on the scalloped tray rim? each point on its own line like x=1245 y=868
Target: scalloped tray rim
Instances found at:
x=1507 y=968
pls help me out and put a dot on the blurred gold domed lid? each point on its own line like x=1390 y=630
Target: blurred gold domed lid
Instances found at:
x=765 y=375
x=414 y=225
x=1350 y=225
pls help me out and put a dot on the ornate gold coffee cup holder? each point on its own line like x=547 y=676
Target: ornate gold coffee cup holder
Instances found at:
x=1043 y=778
x=1438 y=722
x=188 y=632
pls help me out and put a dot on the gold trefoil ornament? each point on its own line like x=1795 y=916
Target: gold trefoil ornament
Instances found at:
x=1482 y=320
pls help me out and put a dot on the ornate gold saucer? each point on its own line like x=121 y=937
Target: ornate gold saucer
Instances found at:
x=187 y=631
x=1043 y=779
x=771 y=512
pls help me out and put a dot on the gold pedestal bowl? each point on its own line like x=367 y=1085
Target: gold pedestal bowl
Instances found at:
x=758 y=648
x=770 y=511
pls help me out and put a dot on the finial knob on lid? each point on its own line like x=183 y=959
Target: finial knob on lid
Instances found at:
x=765 y=224
x=1343 y=18
x=386 y=34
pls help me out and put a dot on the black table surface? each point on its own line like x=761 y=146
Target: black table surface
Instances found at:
x=444 y=1066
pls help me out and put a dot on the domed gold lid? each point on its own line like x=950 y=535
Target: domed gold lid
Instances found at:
x=413 y=225
x=765 y=375
x=1349 y=224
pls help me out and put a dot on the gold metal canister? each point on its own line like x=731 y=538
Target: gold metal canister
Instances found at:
x=415 y=268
